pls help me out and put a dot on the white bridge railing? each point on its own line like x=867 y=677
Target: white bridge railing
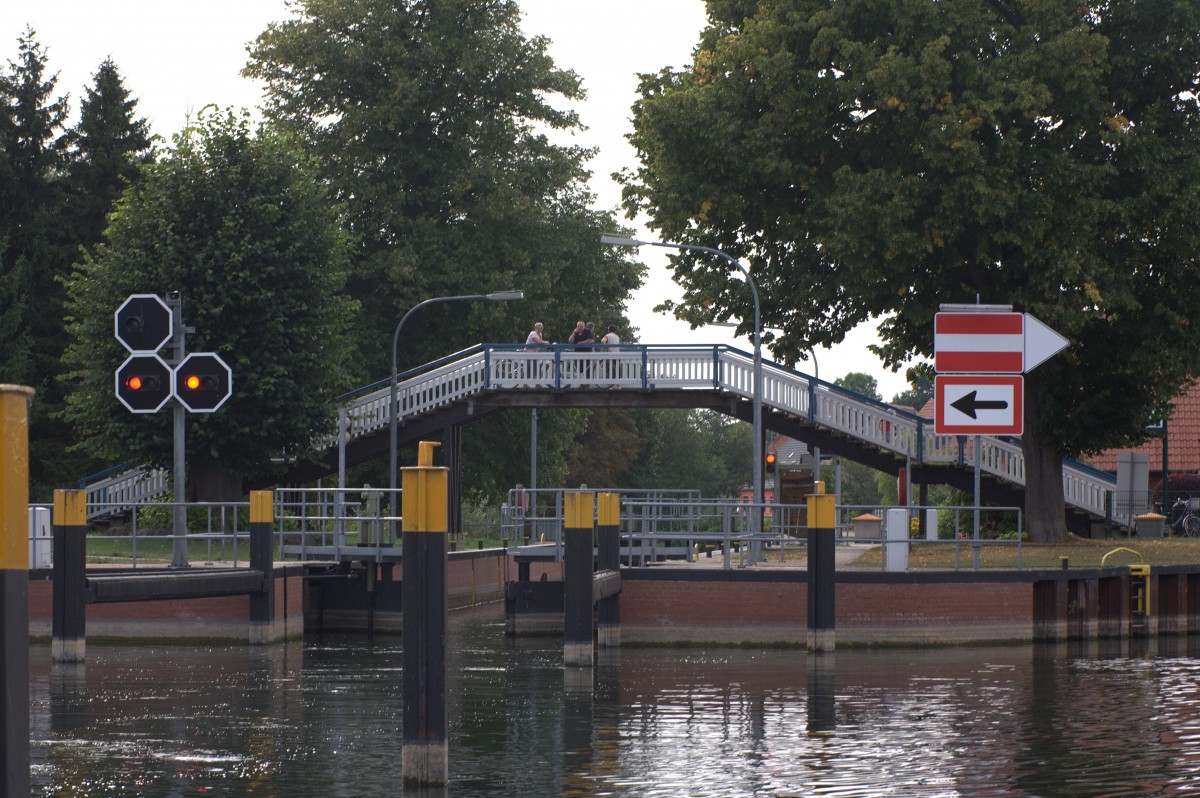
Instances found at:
x=722 y=368
x=489 y=368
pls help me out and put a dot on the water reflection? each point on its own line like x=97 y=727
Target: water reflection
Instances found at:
x=323 y=719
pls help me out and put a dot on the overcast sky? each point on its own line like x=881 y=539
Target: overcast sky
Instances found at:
x=177 y=57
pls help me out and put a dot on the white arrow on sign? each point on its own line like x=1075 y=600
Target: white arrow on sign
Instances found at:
x=1041 y=343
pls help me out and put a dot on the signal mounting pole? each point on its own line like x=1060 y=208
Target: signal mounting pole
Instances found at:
x=179 y=553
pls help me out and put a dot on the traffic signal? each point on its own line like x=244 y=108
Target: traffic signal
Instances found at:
x=203 y=382
x=144 y=383
x=143 y=323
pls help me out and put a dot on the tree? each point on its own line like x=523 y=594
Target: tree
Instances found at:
x=430 y=120
x=107 y=146
x=238 y=222
x=860 y=383
x=35 y=251
x=875 y=158
x=920 y=391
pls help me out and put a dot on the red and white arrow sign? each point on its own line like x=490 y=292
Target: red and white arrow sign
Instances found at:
x=991 y=343
x=974 y=404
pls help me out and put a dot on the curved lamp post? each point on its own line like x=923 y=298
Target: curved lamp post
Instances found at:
x=621 y=241
x=393 y=411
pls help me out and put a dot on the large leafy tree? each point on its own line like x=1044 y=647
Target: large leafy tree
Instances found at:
x=237 y=222
x=431 y=121
x=874 y=158
x=440 y=129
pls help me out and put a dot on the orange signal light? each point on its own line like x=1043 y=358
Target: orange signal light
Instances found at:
x=192 y=382
x=770 y=458
x=134 y=383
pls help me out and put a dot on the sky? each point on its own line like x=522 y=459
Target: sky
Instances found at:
x=176 y=57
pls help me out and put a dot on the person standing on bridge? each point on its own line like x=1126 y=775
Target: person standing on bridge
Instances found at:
x=582 y=337
x=610 y=341
x=533 y=342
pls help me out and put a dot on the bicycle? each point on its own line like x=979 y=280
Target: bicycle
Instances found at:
x=1182 y=520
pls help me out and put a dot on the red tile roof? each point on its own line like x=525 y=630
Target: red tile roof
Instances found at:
x=1183 y=441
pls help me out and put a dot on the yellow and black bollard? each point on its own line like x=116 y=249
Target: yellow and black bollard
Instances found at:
x=68 y=623
x=425 y=755
x=822 y=522
x=14 y=589
x=578 y=516
x=262 y=604
x=608 y=556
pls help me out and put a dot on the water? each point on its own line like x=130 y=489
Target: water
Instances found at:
x=324 y=718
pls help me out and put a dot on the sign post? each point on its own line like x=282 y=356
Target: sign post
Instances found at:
x=980 y=353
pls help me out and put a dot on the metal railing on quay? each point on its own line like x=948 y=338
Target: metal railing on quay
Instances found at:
x=330 y=523
x=217 y=533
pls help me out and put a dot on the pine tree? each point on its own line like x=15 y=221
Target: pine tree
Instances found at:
x=107 y=148
x=32 y=145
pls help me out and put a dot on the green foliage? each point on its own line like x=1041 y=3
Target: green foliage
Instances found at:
x=861 y=383
x=692 y=449
x=430 y=121
x=878 y=159
x=107 y=147
x=238 y=223
x=920 y=380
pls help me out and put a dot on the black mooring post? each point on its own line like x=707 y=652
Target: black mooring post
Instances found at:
x=425 y=756
x=262 y=604
x=14 y=589
x=578 y=515
x=822 y=519
x=608 y=556
x=68 y=624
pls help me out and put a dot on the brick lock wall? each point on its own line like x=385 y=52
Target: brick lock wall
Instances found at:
x=714 y=603
x=938 y=604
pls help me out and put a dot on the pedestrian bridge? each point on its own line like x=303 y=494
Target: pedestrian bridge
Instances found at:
x=437 y=399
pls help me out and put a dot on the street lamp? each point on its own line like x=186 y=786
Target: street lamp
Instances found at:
x=393 y=411
x=756 y=516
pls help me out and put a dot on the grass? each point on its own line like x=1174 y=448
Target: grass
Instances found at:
x=1080 y=553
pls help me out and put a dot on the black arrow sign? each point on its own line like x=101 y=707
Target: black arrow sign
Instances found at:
x=968 y=404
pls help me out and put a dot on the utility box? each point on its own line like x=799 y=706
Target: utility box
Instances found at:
x=40 y=553
x=931 y=524
x=895 y=546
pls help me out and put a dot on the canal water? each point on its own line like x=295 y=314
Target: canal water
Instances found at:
x=323 y=719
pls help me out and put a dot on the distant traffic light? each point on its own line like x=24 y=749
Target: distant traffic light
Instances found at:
x=203 y=382
x=144 y=383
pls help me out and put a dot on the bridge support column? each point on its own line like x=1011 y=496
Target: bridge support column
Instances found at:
x=69 y=602
x=425 y=756
x=608 y=533
x=14 y=589
x=452 y=458
x=262 y=605
x=577 y=578
x=822 y=524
